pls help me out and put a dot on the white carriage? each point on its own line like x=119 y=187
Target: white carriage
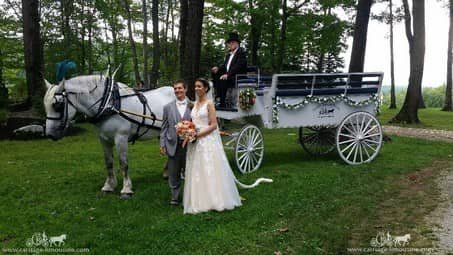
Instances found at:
x=332 y=111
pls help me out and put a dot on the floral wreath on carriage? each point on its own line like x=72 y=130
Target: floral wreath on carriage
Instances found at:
x=247 y=99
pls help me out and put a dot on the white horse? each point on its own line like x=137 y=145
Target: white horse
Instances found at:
x=402 y=240
x=57 y=240
x=94 y=96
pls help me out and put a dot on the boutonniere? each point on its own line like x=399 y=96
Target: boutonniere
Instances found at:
x=190 y=105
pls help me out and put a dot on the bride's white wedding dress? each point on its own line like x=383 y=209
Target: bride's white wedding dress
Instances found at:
x=209 y=181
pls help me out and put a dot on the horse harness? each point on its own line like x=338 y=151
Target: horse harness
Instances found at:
x=109 y=104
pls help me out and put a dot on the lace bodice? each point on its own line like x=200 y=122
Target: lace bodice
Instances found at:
x=200 y=115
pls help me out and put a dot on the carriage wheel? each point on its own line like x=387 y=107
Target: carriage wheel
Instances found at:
x=359 y=138
x=249 y=151
x=317 y=140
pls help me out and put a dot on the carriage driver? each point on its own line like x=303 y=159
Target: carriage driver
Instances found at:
x=224 y=76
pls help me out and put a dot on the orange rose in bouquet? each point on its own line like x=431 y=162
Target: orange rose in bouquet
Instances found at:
x=186 y=130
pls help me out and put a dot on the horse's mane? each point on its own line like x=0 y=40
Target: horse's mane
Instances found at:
x=87 y=83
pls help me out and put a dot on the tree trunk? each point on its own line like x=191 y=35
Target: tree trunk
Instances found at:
x=32 y=52
x=184 y=9
x=90 y=39
x=416 y=39
x=448 y=105
x=392 y=63
x=191 y=68
x=167 y=25
x=281 y=45
x=67 y=8
x=256 y=26
x=156 y=45
x=145 y=44
x=3 y=89
x=113 y=27
x=360 y=34
x=131 y=41
x=82 y=42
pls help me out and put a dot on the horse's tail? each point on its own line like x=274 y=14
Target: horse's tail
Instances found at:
x=256 y=183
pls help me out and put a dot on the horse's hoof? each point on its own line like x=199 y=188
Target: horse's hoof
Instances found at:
x=126 y=196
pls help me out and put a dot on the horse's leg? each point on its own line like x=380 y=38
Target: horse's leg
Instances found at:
x=110 y=183
x=121 y=145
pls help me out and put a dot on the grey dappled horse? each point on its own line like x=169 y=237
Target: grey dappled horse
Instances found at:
x=97 y=97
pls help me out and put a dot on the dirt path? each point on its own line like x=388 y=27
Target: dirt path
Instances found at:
x=442 y=218
x=429 y=134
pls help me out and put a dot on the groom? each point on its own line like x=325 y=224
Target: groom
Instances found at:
x=170 y=144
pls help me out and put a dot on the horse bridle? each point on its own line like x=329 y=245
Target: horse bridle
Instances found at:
x=60 y=105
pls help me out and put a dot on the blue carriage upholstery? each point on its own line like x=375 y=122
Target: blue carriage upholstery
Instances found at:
x=254 y=79
x=328 y=84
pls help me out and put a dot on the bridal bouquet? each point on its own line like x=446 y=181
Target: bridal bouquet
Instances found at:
x=186 y=130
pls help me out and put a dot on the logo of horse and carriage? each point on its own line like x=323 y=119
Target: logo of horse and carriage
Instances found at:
x=41 y=239
x=385 y=239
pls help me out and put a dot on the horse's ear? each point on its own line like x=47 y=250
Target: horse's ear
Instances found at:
x=48 y=84
x=60 y=87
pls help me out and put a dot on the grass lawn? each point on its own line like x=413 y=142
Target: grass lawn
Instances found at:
x=314 y=206
x=431 y=118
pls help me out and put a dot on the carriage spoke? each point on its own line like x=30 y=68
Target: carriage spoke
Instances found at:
x=369 y=146
x=249 y=164
x=355 y=152
x=368 y=124
x=257 y=148
x=369 y=130
x=254 y=159
x=347 y=141
x=349 y=136
x=352 y=149
x=366 y=151
x=361 y=124
x=244 y=161
x=350 y=131
x=360 y=152
x=347 y=147
x=258 y=143
x=255 y=138
x=242 y=156
x=371 y=141
x=373 y=135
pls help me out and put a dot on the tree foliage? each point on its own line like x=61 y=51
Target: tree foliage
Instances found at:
x=95 y=34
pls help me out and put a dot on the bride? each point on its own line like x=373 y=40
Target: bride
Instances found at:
x=209 y=183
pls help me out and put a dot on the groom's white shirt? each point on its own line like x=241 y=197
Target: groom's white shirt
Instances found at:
x=182 y=106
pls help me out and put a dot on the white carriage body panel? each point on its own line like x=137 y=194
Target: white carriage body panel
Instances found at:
x=318 y=114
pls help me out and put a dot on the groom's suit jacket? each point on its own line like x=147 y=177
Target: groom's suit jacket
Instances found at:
x=168 y=137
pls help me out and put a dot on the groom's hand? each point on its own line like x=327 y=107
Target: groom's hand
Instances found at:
x=163 y=150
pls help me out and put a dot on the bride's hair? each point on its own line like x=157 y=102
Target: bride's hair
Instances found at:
x=205 y=83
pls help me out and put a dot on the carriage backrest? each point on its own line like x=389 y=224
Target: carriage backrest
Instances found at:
x=327 y=84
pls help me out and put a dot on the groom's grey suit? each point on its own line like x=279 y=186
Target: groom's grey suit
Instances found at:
x=173 y=145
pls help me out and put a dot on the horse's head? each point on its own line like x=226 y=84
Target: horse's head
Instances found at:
x=59 y=110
